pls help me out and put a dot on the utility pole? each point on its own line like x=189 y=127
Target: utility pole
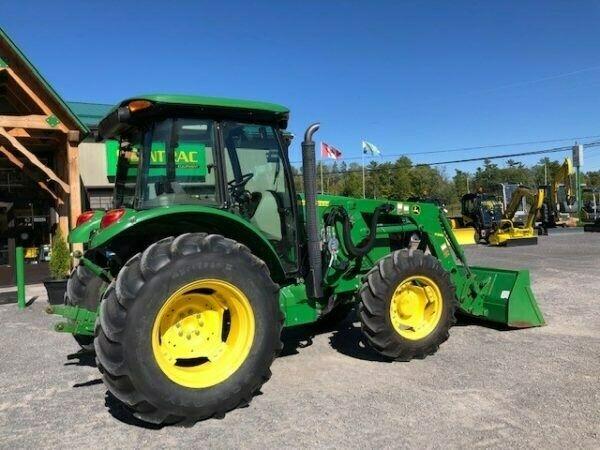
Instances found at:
x=578 y=162
x=467 y=177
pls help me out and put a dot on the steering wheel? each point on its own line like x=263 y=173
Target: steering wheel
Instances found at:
x=238 y=185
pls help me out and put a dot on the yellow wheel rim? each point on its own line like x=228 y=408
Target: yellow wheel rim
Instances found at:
x=416 y=307
x=203 y=333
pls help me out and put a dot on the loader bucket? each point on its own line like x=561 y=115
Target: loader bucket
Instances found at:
x=465 y=236
x=508 y=298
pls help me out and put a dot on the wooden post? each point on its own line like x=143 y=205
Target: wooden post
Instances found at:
x=74 y=183
x=61 y=163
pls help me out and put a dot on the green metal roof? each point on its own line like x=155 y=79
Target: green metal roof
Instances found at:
x=176 y=99
x=90 y=113
x=42 y=81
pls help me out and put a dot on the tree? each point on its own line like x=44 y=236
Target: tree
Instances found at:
x=592 y=178
x=461 y=183
x=60 y=260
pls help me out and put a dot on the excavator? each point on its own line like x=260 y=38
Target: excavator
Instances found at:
x=508 y=232
x=555 y=213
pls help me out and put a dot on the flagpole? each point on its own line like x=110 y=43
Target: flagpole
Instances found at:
x=322 y=187
x=363 y=171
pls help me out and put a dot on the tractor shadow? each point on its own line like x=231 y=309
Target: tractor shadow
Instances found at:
x=346 y=338
x=462 y=320
x=296 y=338
x=81 y=358
x=349 y=341
x=121 y=413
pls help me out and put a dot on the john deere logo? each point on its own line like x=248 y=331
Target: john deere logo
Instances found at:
x=416 y=209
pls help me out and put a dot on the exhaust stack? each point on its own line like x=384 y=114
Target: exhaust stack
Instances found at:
x=314 y=277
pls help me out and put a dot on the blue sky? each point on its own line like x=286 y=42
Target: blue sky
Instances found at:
x=407 y=76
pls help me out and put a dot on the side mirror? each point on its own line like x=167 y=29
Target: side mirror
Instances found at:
x=287 y=139
x=123 y=114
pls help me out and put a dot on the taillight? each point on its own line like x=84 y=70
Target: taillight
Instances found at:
x=111 y=217
x=84 y=217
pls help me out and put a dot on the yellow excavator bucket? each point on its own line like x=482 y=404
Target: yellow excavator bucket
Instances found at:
x=465 y=236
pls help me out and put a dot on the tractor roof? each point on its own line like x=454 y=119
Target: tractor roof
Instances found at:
x=215 y=102
x=172 y=105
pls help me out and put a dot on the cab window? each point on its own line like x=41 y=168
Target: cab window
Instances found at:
x=257 y=184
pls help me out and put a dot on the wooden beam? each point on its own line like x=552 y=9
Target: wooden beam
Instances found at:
x=34 y=121
x=38 y=101
x=17 y=162
x=34 y=160
x=19 y=132
x=12 y=98
x=73 y=175
x=73 y=136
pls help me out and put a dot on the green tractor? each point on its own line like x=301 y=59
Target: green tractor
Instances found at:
x=183 y=289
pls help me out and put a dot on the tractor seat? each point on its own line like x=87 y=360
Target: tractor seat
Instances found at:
x=266 y=217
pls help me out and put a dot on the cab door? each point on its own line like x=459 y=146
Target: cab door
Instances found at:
x=259 y=187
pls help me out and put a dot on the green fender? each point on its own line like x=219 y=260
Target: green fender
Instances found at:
x=181 y=219
x=83 y=233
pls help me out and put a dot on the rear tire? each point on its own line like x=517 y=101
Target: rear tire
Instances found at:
x=84 y=289
x=126 y=343
x=399 y=279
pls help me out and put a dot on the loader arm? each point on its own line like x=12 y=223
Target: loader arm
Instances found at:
x=538 y=201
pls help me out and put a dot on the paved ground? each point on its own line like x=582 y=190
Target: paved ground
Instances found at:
x=485 y=387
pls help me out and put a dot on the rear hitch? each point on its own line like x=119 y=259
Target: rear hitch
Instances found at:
x=78 y=320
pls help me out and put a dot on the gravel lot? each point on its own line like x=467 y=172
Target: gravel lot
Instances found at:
x=485 y=387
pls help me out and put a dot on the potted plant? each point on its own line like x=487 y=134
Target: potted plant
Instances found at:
x=60 y=263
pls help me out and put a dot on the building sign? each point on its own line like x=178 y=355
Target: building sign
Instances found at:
x=190 y=159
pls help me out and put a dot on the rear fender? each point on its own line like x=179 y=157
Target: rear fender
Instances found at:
x=136 y=230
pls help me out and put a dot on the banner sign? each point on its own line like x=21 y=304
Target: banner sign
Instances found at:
x=190 y=159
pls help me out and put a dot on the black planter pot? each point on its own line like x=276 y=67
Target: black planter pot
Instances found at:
x=56 y=291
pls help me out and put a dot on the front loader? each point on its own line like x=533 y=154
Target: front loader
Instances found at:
x=210 y=252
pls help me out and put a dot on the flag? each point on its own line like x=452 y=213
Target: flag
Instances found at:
x=330 y=151
x=370 y=148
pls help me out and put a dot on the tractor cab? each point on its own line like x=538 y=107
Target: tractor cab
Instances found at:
x=482 y=211
x=231 y=157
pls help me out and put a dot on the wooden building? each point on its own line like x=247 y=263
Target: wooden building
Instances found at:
x=40 y=186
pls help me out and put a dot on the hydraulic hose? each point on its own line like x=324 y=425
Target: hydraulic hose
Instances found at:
x=339 y=214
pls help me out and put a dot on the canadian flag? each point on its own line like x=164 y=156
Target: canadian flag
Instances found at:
x=330 y=151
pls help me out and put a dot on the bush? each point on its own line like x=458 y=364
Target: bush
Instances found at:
x=60 y=259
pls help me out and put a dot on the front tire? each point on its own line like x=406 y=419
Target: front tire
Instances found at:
x=189 y=329
x=407 y=305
